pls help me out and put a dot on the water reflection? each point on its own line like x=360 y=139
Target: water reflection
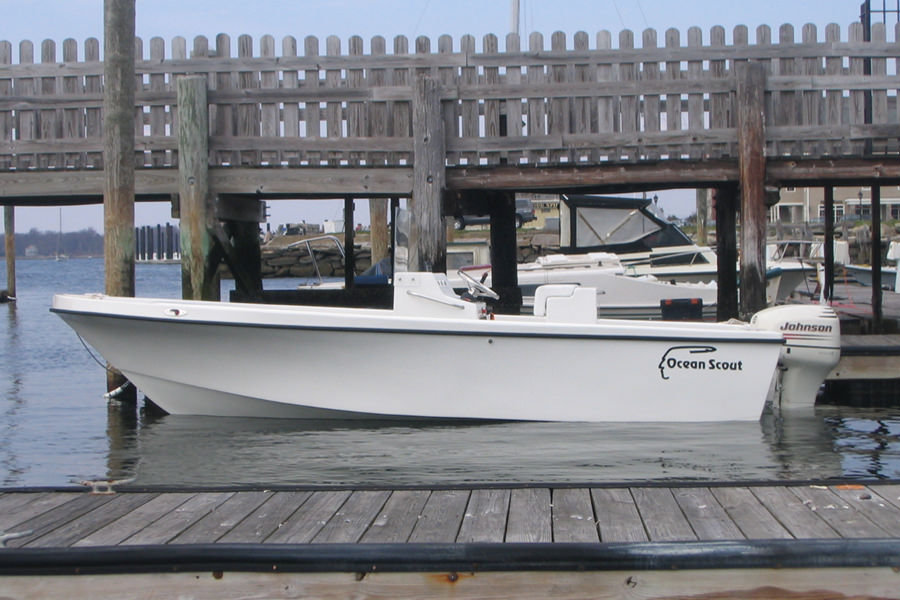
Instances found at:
x=10 y=351
x=191 y=450
x=869 y=447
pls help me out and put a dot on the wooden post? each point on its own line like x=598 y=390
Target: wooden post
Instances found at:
x=428 y=238
x=702 y=211
x=726 y=251
x=199 y=278
x=828 y=292
x=504 y=253
x=877 y=312
x=751 y=85
x=118 y=147
x=118 y=158
x=9 y=230
x=379 y=236
x=349 y=251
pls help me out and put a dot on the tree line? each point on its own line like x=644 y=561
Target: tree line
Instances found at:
x=42 y=244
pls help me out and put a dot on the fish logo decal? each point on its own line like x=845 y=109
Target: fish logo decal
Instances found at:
x=683 y=357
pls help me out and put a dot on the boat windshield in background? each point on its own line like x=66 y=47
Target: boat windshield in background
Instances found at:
x=612 y=224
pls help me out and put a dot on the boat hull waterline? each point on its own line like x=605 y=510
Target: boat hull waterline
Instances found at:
x=318 y=362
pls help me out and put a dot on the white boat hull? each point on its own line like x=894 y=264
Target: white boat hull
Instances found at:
x=863 y=276
x=317 y=362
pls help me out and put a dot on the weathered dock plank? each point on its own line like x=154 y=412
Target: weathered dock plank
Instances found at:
x=749 y=514
x=845 y=519
x=707 y=517
x=618 y=518
x=222 y=518
x=798 y=518
x=268 y=517
x=890 y=492
x=118 y=530
x=309 y=519
x=352 y=519
x=398 y=517
x=169 y=526
x=59 y=516
x=485 y=518
x=529 y=516
x=662 y=516
x=882 y=514
x=573 y=516
x=15 y=509
x=441 y=517
x=90 y=522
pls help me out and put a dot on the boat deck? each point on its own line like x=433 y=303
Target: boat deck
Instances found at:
x=417 y=541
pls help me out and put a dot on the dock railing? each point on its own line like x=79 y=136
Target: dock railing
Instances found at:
x=581 y=101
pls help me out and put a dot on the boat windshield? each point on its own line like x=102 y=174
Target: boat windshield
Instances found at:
x=615 y=225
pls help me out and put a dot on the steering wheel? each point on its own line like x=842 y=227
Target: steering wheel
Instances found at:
x=476 y=288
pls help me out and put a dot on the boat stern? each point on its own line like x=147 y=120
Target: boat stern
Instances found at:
x=811 y=350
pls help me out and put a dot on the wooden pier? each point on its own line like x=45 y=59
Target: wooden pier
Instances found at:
x=453 y=125
x=811 y=540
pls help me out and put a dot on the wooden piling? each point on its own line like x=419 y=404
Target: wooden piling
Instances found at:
x=828 y=292
x=118 y=160
x=118 y=147
x=9 y=230
x=504 y=253
x=349 y=252
x=877 y=310
x=726 y=250
x=378 y=229
x=199 y=278
x=751 y=85
x=702 y=210
x=428 y=239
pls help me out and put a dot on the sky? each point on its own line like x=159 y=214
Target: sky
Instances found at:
x=37 y=20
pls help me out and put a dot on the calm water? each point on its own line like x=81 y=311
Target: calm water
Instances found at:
x=56 y=427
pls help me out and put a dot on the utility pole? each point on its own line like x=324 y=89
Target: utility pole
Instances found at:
x=514 y=17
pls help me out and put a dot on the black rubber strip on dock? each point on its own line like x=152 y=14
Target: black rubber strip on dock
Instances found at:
x=465 y=558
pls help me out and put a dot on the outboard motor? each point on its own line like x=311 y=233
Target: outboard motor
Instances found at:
x=812 y=335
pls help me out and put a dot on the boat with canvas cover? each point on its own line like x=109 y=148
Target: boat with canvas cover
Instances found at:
x=635 y=230
x=561 y=364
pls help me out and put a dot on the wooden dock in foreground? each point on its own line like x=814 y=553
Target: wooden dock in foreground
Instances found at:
x=809 y=540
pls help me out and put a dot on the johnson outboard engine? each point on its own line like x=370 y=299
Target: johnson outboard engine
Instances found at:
x=812 y=335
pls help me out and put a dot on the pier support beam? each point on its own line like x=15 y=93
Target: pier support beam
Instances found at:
x=828 y=292
x=751 y=85
x=726 y=251
x=118 y=147
x=199 y=261
x=349 y=250
x=702 y=212
x=118 y=157
x=504 y=252
x=428 y=238
x=378 y=229
x=9 y=230
x=877 y=309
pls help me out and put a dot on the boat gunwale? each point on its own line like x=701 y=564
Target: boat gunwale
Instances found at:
x=700 y=336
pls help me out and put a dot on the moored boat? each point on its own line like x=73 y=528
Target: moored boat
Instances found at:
x=438 y=355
